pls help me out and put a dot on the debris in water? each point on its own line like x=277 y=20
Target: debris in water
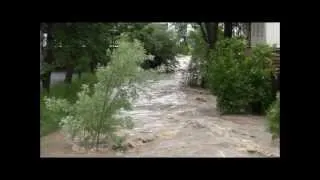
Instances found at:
x=125 y=145
x=201 y=99
x=146 y=139
x=251 y=151
x=195 y=124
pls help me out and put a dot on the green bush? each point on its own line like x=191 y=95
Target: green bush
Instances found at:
x=183 y=48
x=93 y=118
x=160 y=43
x=200 y=58
x=49 y=121
x=273 y=116
x=241 y=83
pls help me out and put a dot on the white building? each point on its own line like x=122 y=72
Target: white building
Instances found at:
x=266 y=33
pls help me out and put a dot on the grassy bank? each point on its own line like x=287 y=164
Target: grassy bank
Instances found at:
x=49 y=122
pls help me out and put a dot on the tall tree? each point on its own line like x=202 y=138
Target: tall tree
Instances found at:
x=48 y=58
x=84 y=45
x=73 y=40
x=210 y=36
x=209 y=33
x=41 y=50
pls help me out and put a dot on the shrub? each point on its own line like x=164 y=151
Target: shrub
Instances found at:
x=49 y=121
x=273 y=116
x=159 y=43
x=92 y=118
x=241 y=83
x=183 y=48
x=200 y=57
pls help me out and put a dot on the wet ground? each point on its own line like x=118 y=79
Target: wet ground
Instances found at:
x=172 y=120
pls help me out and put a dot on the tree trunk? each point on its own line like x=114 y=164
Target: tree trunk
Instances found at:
x=41 y=56
x=41 y=51
x=93 y=64
x=203 y=83
x=49 y=59
x=249 y=34
x=69 y=73
x=46 y=81
x=212 y=30
x=92 y=67
x=227 y=30
x=215 y=27
x=79 y=74
x=274 y=86
x=209 y=29
x=256 y=108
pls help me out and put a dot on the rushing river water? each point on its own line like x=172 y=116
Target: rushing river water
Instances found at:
x=172 y=120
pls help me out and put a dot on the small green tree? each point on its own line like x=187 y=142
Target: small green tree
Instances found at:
x=93 y=117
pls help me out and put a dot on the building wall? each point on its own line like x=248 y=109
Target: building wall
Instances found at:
x=273 y=34
x=258 y=33
x=265 y=33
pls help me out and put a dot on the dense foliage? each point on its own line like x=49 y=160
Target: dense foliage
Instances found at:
x=199 y=57
x=49 y=121
x=241 y=82
x=78 y=44
x=92 y=118
x=160 y=43
x=80 y=47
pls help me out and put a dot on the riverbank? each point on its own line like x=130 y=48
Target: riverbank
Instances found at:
x=176 y=121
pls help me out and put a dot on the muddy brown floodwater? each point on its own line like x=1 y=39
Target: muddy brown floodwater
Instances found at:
x=172 y=120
